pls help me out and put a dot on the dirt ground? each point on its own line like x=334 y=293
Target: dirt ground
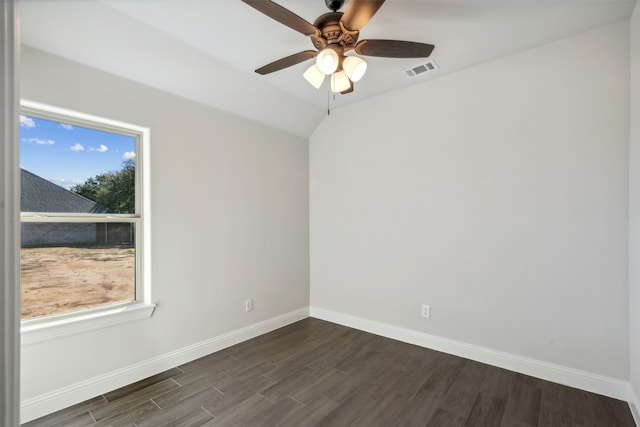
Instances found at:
x=63 y=279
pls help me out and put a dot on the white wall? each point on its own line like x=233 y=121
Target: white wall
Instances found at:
x=498 y=195
x=634 y=212
x=229 y=222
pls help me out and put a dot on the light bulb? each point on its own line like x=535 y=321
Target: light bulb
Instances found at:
x=340 y=82
x=355 y=67
x=314 y=76
x=327 y=61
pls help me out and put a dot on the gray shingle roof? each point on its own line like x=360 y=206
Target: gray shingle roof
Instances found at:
x=39 y=195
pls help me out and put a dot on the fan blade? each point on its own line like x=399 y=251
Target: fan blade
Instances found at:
x=359 y=12
x=282 y=15
x=294 y=59
x=393 y=49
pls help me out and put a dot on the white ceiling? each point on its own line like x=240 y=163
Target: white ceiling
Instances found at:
x=206 y=50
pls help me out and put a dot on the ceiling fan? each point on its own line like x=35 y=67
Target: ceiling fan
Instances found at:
x=333 y=35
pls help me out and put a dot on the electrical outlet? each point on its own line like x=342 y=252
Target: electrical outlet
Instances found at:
x=248 y=305
x=426 y=311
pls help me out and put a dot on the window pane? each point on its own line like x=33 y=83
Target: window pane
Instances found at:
x=75 y=266
x=75 y=169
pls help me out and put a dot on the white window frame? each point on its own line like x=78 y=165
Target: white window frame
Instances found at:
x=59 y=325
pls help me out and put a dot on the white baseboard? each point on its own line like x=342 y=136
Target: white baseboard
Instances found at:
x=58 y=399
x=583 y=380
x=47 y=403
x=634 y=405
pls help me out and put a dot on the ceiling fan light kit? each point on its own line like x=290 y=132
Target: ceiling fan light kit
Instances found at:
x=327 y=61
x=314 y=76
x=333 y=34
x=355 y=67
x=340 y=82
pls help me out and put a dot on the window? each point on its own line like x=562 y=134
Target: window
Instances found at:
x=84 y=219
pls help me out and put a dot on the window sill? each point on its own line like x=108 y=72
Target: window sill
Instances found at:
x=44 y=330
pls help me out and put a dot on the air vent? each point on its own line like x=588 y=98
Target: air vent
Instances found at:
x=427 y=67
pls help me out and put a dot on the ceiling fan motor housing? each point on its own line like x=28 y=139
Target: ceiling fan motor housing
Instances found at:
x=332 y=32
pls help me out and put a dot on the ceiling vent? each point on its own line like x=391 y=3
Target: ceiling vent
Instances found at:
x=427 y=67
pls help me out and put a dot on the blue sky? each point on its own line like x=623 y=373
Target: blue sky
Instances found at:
x=67 y=155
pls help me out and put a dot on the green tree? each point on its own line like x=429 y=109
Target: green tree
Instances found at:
x=113 y=190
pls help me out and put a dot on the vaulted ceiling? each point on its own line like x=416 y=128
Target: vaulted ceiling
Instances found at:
x=207 y=50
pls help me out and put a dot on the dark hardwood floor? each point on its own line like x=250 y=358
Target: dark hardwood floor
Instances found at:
x=316 y=373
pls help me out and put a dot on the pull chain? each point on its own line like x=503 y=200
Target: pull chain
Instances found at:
x=329 y=100
x=329 y=95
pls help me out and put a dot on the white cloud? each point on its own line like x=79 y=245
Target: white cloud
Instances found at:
x=76 y=147
x=129 y=155
x=39 y=141
x=101 y=149
x=27 y=122
x=66 y=126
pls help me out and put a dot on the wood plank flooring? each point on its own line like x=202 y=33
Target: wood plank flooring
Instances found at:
x=316 y=373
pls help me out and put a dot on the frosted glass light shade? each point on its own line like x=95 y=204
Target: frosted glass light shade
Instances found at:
x=340 y=82
x=314 y=76
x=327 y=61
x=355 y=67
